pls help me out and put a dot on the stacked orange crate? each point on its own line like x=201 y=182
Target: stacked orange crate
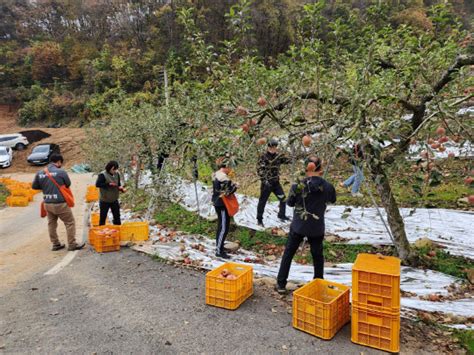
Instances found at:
x=376 y=302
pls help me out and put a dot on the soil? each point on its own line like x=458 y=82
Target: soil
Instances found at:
x=68 y=139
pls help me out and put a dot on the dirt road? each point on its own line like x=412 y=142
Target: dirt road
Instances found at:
x=24 y=241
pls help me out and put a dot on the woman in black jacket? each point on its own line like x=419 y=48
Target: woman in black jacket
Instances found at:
x=110 y=186
x=222 y=185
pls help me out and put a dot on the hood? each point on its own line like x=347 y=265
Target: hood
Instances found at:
x=220 y=176
x=35 y=156
x=314 y=184
x=4 y=157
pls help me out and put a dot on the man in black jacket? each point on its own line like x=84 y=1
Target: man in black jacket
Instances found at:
x=309 y=199
x=269 y=172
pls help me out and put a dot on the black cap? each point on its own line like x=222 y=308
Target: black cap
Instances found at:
x=273 y=143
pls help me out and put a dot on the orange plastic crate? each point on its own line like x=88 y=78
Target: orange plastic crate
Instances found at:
x=104 y=239
x=17 y=201
x=92 y=194
x=134 y=231
x=229 y=294
x=95 y=219
x=376 y=283
x=376 y=329
x=321 y=308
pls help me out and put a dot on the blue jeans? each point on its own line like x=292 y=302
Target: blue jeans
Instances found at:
x=355 y=179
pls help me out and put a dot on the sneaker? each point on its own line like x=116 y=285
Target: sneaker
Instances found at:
x=357 y=194
x=285 y=219
x=223 y=255
x=260 y=224
x=76 y=247
x=58 y=247
x=281 y=289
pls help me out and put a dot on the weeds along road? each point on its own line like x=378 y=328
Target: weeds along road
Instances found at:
x=125 y=302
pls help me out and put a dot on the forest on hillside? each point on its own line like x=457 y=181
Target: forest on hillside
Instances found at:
x=64 y=61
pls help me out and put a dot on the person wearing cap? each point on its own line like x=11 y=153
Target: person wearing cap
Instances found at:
x=309 y=198
x=222 y=185
x=268 y=170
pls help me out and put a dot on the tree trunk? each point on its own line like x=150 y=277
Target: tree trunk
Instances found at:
x=394 y=218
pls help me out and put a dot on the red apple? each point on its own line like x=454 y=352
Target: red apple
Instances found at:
x=440 y=131
x=468 y=181
x=241 y=111
x=311 y=167
x=307 y=140
x=245 y=127
x=443 y=139
x=261 y=141
x=470 y=199
x=261 y=101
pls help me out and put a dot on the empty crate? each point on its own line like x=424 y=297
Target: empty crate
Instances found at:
x=134 y=231
x=376 y=283
x=321 y=308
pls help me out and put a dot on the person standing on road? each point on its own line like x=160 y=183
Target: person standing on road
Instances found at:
x=110 y=186
x=309 y=199
x=268 y=170
x=55 y=204
x=222 y=186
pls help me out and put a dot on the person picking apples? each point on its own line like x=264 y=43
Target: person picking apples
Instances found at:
x=222 y=186
x=110 y=185
x=309 y=198
x=268 y=170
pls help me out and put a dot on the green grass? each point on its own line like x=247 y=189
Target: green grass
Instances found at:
x=3 y=195
x=445 y=262
x=175 y=216
x=466 y=339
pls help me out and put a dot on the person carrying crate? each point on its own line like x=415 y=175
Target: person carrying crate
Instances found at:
x=309 y=198
x=110 y=186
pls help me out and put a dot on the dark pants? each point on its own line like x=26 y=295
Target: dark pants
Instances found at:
x=222 y=228
x=104 y=210
x=265 y=191
x=292 y=244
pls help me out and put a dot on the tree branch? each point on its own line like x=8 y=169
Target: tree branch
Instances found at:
x=310 y=95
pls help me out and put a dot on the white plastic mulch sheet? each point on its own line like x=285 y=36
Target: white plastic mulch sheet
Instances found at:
x=413 y=281
x=450 y=228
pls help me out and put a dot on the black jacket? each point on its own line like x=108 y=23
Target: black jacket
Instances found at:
x=356 y=155
x=268 y=168
x=221 y=184
x=309 y=198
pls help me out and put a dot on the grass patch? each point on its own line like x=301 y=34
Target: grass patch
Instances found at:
x=174 y=216
x=3 y=195
x=466 y=339
x=442 y=261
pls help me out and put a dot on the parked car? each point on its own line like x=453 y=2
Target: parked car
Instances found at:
x=6 y=157
x=16 y=141
x=41 y=153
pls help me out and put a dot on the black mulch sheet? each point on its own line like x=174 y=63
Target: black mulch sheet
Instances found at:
x=35 y=135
